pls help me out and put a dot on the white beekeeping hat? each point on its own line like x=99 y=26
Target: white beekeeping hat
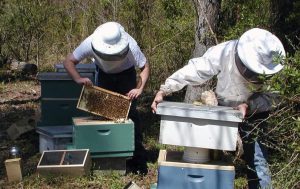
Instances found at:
x=110 y=41
x=258 y=50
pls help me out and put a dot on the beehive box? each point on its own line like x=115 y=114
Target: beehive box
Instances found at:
x=65 y=162
x=104 y=138
x=59 y=111
x=59 y=97
x=60 y=85
x=176 y=174
x=54 y=137
x=104 y=103
x=211 y=127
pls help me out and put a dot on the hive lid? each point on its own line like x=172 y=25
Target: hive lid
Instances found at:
x=81 y=68
x=181 y=109
x=105 y=103
x=47 y=76
x=56 y=131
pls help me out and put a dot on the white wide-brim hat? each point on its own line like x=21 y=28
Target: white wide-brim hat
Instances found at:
x=110 y=39
x=258 y=49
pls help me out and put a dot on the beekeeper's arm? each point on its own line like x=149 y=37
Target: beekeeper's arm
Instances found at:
x=196 y=72
x=69 y=64
x=81 y=52
x=141 y=63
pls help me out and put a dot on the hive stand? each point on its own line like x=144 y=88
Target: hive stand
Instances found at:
x=110 y=136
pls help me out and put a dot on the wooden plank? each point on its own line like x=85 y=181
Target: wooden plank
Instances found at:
x=174 y=159
x=180 y=109
x=13 y=169
x=95 y=121
x=62 y=158
x=90 y=120
x=104 y=103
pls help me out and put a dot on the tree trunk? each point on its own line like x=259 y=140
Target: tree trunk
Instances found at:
x=205 y=37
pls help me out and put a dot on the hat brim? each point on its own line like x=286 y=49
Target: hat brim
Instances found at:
x=250 y=49
x=102 y=47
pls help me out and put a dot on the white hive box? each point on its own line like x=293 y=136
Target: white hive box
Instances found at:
x=212 y=127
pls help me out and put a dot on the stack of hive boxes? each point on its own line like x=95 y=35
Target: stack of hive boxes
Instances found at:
x=68 y=122
x=110 y=135
x=196 y=127
x=59 y=96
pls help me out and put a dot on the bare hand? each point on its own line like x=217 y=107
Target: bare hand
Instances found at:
x=84 y=81
x=158 y=98
x=243 y=108
x=134 y=93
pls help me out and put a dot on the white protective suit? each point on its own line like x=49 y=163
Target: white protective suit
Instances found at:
x=232 y=88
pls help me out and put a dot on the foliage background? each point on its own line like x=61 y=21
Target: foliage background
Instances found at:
x=43 y=32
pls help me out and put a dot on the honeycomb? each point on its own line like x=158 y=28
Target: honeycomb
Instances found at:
x=104 y=103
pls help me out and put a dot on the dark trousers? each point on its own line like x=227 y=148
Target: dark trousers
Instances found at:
x=122 y=83
x=255 y=154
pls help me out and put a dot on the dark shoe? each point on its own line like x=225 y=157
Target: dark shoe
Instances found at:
x=137 y=165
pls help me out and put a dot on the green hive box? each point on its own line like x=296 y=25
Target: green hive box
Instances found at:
x=104 y=138
x=59 y=112
x=60 y=85
x=59 y=97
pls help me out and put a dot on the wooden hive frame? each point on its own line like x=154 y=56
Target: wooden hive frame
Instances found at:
x=105 y=103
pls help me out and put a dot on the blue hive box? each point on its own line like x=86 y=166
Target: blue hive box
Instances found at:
x=176 y=174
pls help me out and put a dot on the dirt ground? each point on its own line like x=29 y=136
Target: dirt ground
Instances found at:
x=19 y=105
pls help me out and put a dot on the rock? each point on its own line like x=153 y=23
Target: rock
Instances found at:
x=22 y=126
x=23 y=67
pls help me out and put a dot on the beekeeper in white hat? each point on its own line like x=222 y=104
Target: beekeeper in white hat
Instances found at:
x=238 y=65
x=116 y=55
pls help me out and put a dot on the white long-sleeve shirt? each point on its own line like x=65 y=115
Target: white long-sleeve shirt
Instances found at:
x=231 y=90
